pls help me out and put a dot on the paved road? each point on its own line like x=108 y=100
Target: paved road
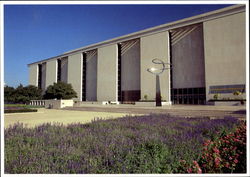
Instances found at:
x=176 y=110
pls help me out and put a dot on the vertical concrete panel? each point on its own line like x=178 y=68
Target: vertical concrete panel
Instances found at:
x=44 y=74
x=75 y=74
x=33 y=74
x=130 y=63
x=91 y=76
x=225 y=51
x=64 y=69
x=52 y=70
x=107 y=73
x=154 y=46
x=188 y=67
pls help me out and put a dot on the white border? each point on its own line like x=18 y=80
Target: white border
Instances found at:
x=2 y=83
x=128 y=2
x=247 y=86
x=122 y=2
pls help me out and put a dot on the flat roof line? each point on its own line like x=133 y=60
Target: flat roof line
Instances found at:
x=234 y=9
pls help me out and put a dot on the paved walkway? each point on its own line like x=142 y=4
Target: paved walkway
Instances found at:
x=176 y=110
x=43 y=115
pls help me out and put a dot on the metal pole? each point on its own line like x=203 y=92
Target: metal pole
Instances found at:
x=157 y=72
x=158 y=91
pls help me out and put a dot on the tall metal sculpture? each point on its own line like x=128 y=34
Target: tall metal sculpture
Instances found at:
x=157 y=72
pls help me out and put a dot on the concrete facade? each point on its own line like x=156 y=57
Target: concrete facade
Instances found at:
x=107 y=73
x=64 y=69
x=131 y=73
x=91 y=76
x=154 y=46
x=225 y=51
x=75 y=74
x=130 y=70
x=33 y=75
x=190 y=43
x=207 y=53
x=52 y=70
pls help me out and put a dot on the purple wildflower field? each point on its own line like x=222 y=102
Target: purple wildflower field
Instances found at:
x=132 y=144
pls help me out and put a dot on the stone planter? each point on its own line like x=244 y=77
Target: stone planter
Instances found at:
x=226 y=102
x=58 y=104
x=150 y=103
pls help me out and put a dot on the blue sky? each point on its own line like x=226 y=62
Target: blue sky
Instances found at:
x=36 y=32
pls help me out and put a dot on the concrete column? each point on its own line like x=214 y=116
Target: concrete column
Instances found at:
x=33 y=74
x=64 y=69
x=154 y=46
x=51 y=69
x=75 y=74
x=107 y=73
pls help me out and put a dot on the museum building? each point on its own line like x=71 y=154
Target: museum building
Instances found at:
x=206 y=53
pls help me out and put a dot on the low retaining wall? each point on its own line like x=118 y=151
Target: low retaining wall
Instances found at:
x=57 y=104
x=37 y=102
x=225 y=103
x=148 y=103
x=84 y=103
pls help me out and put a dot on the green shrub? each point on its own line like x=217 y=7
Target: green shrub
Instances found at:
x=22 y=106
x=132 y=144
x=225 y=154
x=237 y=93
x=60 y=90
x=19 y=110
x=216 y=96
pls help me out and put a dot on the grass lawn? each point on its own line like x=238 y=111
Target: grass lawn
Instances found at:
x=55 y=116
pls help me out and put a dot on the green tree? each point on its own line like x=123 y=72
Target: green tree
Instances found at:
x=32 y=92
x=8 y=94
x=60 y=90
x=21 y=94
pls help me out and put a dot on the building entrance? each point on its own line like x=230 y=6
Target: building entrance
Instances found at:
x=188 y=96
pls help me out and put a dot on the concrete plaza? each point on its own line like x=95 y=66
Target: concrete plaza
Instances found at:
x=43 y=115
x=87 y=113
x=175 y=110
